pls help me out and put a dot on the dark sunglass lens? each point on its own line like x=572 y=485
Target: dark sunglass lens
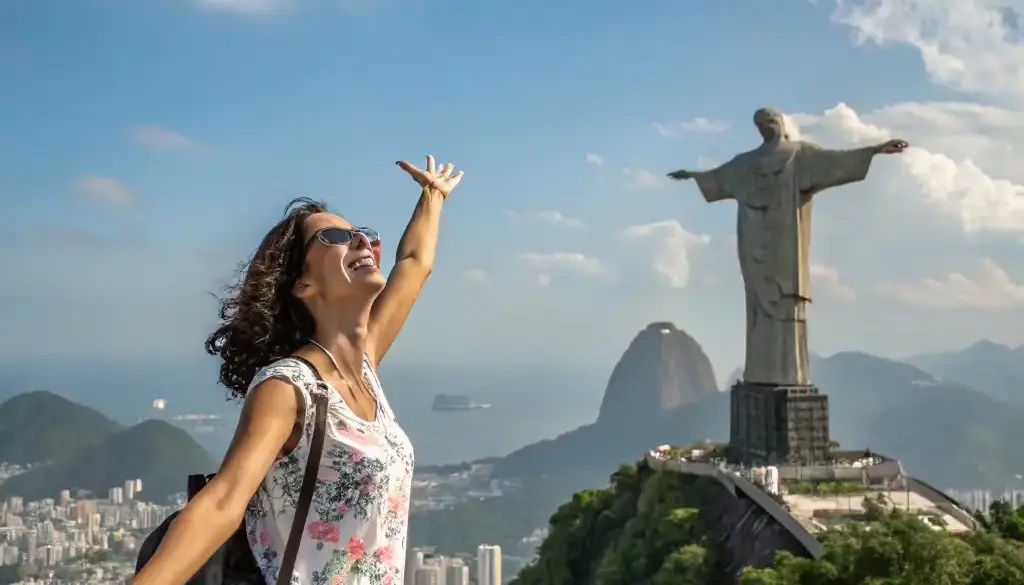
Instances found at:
x=370 y=233
x=336 y=236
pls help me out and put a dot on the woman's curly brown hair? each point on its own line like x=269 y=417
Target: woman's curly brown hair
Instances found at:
x=261 y=319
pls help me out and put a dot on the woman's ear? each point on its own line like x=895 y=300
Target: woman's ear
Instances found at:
x=303 y=287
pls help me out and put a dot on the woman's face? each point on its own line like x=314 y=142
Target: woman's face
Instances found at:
x=332 y=271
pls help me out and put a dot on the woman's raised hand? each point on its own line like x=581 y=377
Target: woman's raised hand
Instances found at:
x=441 y=179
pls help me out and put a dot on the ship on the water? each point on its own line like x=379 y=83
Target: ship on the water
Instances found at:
x=450 y=402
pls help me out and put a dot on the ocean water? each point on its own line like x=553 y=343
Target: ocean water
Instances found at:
x=525 y=407
x=528 y=403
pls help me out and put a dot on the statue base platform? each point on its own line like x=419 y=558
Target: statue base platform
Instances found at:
x=778 y=424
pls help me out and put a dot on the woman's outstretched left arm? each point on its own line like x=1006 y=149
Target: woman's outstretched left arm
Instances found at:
x=415 y=256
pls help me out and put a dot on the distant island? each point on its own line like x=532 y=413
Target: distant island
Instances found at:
x=452 y=402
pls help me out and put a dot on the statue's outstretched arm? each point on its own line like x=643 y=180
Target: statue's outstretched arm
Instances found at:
x=714 y=184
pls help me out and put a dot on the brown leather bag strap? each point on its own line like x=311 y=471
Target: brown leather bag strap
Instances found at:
x=316 y=449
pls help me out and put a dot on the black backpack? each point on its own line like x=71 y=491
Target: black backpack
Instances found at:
x=234 y=563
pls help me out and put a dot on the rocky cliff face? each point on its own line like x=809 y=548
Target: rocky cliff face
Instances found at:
x=662 y=369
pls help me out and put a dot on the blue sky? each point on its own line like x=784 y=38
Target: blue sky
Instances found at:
x=147 y=146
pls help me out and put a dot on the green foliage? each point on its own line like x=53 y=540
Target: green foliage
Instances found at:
x=37 y=427
x=648 y=527
x=824 y=488
x=159 y=453
x=502 y=520
x=98 y=557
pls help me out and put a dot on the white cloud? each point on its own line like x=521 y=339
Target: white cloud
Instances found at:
x=698 y=125
x=828 y=279
x=792 y=127
x=993 y=288
x=957 y=188
x=157 y=138
x=594 y=159
x=968 y=45
x=105 y=190
x=701 y=125
x=673 y=248
x=643 y=179
x=255 y=7
x=549 y=217
x=570 y=261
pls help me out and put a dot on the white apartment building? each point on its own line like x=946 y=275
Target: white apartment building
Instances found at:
x=488 y=564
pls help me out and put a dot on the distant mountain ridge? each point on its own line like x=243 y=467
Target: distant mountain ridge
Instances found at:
x=39 y=426
x=993 y=368
x=947 y=433
x=88 y=451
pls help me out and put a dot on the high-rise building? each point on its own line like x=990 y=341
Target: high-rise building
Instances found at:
x=441 y=562
x=413 y=561
x=457 y=573
x=427 y=575
x=65 y=497
x=129 y=489
x=488 y=564
x=116 y=495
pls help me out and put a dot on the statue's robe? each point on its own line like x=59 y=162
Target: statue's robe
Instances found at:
x=773 y=188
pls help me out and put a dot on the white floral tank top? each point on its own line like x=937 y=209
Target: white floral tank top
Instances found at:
x=358 y=520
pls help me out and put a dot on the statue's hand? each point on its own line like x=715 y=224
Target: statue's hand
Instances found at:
x=680 y=175
x=895 y=146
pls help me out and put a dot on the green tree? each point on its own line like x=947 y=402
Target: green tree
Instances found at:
x=651 y=527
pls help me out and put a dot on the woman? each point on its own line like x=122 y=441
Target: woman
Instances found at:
x=313 y=291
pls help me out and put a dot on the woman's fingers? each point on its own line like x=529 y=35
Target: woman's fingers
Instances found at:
x=410 y=168
x=438 y=177
x=452 y=182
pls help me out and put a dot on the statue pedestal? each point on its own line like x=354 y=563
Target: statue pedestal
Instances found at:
x=771 y=424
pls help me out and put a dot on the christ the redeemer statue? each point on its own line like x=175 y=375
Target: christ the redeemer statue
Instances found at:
x=773 y=186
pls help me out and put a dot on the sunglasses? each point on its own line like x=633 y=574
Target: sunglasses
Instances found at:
x=336 y=236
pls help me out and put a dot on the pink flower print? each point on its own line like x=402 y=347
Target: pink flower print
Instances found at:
x=387 y=580
x=264 y=537
x=338 y=580
x=342 y=508
x=349 y=432
x=384 y=554
x=396 y=503
x=367 y=486
x=356 y=456
x=322 y=531
x=356 y=548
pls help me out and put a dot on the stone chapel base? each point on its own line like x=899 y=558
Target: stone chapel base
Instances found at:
x=775 y=425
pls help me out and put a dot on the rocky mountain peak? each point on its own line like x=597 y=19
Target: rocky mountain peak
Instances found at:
x=663 y=369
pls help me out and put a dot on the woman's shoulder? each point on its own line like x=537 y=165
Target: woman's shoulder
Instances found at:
x=289 y=369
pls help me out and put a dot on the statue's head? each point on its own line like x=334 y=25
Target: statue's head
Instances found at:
x=770 y=124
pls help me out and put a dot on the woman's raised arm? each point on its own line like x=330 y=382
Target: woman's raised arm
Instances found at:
x=414 y=258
